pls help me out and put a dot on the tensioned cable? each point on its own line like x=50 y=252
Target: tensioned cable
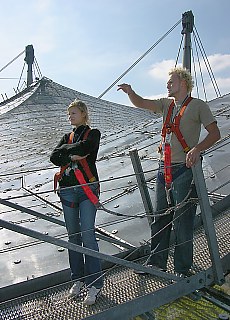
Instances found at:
x=110 y=269
x=12 y=61
x=177 y=207
x=68 y=298
x=21 y=75
x=37 y=67
x=171 y=222
x=9 y=78
x=114 y=222
x=102 y=181
x=139 y=59
x=207 y=64
x=103 y=224
x=221 y=186
x=195 y=74
x=104 y=273
x=102 y=207
x=216 y=146
x=199 y=64
x=131 y=253
x=178 y=54
x=139 y=215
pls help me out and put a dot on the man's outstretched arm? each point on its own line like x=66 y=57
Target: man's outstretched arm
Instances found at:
x=137 y=100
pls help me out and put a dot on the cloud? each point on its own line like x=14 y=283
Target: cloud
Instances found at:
x=157 y=96
x=218 y=62
x=42 y=6
x=223 y=86
x=161 y=69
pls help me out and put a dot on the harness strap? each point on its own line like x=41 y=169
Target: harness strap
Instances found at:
x=175 y=175
x=167 y=165
x=168 y=119
x=85 y=164
x=92 y=197
x=82 y=162
x=174 y=127
x=87 y=170
x=59 y=174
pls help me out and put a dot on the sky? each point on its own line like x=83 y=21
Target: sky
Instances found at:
x=87 y=45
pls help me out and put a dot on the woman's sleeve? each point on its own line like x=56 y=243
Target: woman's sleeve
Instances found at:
x=84 y=147
x=59 y=155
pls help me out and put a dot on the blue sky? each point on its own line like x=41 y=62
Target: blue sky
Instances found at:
x=87 y=44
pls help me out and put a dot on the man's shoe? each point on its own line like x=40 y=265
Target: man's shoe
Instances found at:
x=150 y=266
x=186 y=274
x=76 y=288
x=92 y=295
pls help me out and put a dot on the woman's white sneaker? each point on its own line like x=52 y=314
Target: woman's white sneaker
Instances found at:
x=92 y=295
x=76 y=288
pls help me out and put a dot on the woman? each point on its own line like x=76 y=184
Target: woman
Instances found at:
x=78 y=150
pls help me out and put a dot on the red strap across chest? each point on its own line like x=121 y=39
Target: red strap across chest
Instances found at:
x=174 y=126
x=83 y=163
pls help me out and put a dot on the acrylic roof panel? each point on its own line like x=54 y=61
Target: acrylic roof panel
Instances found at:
x=32 y=129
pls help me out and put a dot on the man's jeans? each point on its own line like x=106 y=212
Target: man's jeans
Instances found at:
x=183 y=222
x=80 y=224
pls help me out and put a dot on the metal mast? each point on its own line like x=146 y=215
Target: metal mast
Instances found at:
x=29 y=59
x=187 y=24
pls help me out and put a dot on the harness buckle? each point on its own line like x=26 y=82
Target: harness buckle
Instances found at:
x=168 y=128
x=167 y=191
x=186 y=149
x=74 y=165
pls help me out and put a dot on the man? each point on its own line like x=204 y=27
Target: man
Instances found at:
x=180 y=150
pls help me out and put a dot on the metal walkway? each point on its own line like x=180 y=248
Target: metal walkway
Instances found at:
x=125 y=293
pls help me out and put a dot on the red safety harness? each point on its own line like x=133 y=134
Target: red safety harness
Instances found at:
x=78 y=174
x=168 y=128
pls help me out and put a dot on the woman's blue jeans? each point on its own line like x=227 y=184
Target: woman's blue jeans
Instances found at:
x=80 y=225
x=183 y=222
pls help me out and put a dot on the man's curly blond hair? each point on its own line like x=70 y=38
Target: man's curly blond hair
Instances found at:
x=185 y=75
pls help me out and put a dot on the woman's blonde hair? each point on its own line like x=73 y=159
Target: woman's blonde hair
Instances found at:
x=183 y=74
x=82 y=107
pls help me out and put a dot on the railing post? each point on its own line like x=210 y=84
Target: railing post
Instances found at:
x=206 y=213
x=141 y=183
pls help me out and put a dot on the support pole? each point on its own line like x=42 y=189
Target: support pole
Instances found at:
x=29 y=59
x=71 y=246
x=206 y=213
x=141 y=183
x=187 y=24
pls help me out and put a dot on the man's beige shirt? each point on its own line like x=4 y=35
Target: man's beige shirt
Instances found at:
x=197 y=113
